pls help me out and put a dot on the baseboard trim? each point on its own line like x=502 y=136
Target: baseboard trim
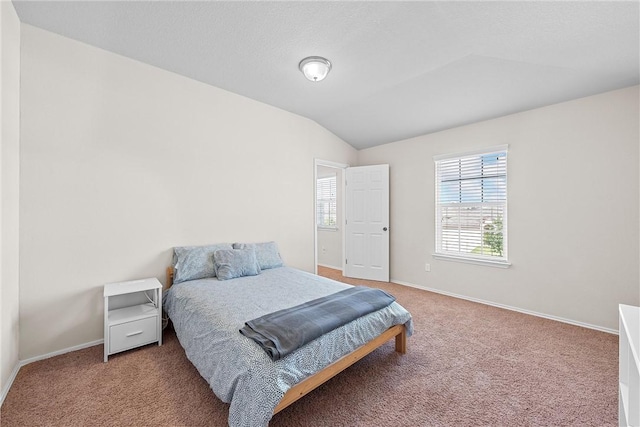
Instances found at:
x=330 y=266
x=25 y=362
x=508 y=307
x=59 y=352
x=7 y=386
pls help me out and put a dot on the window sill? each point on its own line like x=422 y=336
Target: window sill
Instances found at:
x=328 y=229
x=498 y=264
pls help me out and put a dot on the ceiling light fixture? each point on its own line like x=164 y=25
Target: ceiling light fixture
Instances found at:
x=315 y=68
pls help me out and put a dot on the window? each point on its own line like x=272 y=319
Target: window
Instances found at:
x=326 y=206
x=471 y=206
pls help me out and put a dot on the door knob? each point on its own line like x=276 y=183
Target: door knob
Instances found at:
x=384 y=229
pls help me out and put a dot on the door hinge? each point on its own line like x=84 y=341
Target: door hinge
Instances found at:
x=346 y=261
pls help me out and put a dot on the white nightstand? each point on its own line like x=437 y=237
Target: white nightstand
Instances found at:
x=136 y=324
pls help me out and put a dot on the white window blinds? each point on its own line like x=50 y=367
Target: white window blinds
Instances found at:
x=471 y=205
x=326 y=202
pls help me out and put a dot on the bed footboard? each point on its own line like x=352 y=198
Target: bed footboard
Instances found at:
x=314 y=381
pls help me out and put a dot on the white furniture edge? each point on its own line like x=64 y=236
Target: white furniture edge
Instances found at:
x=132 y=286
x=508 y=307
x=629 y=365
x=635 y=341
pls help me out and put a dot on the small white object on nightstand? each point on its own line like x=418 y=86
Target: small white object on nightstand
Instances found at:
x=133 y=325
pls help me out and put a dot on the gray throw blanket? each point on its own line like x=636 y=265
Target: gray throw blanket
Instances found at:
x=281 y=332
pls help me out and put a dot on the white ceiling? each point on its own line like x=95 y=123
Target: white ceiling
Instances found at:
x=400 y=69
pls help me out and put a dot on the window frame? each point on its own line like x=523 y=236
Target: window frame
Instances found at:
x=494 y=261
x=333 y=199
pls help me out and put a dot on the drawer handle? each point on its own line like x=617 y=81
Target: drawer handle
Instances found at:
x=130 y=334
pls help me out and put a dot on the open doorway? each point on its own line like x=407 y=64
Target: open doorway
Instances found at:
x=329 y=214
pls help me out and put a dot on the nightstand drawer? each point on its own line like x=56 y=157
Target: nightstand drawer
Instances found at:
x=133 y=334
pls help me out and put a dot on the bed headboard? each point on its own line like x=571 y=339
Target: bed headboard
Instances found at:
x=169 y=277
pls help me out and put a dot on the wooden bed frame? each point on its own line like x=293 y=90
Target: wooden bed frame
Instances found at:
x=310 y=383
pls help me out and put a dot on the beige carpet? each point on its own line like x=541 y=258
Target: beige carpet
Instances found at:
x=467 y=365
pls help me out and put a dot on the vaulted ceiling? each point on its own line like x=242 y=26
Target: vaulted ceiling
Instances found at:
x=400 y=69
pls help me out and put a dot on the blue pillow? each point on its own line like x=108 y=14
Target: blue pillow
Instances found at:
x=267 y=253
x=232 y=263
x=195 y=262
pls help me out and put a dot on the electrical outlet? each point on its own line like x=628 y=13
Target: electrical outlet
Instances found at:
x=324 y=250
x=427 y=267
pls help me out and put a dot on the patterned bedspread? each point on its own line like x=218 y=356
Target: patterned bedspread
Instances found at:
x=207 y=315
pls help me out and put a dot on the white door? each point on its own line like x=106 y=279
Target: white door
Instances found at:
x=367 y=223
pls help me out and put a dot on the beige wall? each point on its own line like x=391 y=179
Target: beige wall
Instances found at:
x=330 y=242
x=573 y=209
x=9 y=182
x=122 y=161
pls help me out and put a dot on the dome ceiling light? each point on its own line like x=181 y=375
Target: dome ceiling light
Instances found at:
x=315 y=68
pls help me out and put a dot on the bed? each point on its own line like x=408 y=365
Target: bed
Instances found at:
x=208 y=313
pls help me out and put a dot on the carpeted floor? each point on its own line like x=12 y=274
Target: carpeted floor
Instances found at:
x=467 y=365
